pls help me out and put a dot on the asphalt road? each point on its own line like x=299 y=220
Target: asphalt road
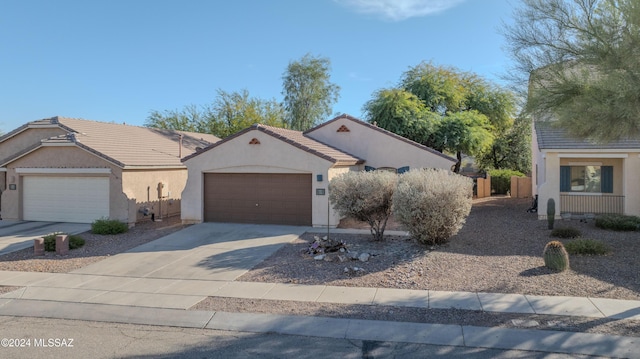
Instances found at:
x=55 y=338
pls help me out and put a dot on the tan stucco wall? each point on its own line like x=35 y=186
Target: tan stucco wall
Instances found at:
x=62 y=157
x=631 y=184
x=376 y=148
x=270 y=156
x=626 y=171
x=25 y=139
x=141 y=187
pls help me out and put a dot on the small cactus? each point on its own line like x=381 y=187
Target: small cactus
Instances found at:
x=551 y=212
x=556 y=256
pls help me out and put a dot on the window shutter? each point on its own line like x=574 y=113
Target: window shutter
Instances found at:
x=369 y=168
x=606 y=175
x=403 y=169
x=565 y=179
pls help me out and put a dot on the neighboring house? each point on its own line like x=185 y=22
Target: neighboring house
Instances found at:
x=264 y=174
x=71 y=170
x=584 y=177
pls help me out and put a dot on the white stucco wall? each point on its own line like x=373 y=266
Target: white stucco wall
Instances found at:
x=270 y=156
x=376 y=148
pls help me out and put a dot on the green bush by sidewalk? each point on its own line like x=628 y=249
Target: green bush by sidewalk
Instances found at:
x=108 y=226
x=75 y=241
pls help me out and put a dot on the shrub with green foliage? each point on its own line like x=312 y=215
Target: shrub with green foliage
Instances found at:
x=586 y=247
x=501 y=180
x=365 y=196
x=432 y=204
x=556 y=256
x=566 y=232
x=108 y=226
x=618 y=222
x=75 y=241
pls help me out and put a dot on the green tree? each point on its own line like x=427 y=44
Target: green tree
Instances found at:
x=464 y=132
x=186 y=119
x=580 y=57
x=228 y=113
x=445 y=109
x=441 y=89
x=402 y=113
x=308 y=92
x=510 y=150
x=231 y=112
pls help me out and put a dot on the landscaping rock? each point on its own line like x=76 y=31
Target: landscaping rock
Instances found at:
x=364 y=257
x=320 y=257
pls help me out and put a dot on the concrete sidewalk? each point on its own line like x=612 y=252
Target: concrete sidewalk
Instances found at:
x=157 y=301
x=155 y=284
x=184 y=293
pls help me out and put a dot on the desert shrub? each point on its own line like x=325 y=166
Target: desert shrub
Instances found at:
x=501 y=180
x=566 y=232
x=108 y=226
x=432 y=204
x=586 y=247
x=618 y=222
x=365 y=196
x=75 y=241
x=556 y=256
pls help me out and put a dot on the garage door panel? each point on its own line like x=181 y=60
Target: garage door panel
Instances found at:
x=65 y=199
x=280 y=198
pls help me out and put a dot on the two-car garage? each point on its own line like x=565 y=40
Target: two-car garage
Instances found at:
x=266 y=198
x=65 y=198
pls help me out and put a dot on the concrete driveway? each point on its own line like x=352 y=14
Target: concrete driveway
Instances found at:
x=17 y=235
x=205 y=251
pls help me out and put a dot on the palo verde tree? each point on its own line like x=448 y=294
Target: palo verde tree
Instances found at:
x=308 y=92
x=402 y=113
x=445 y=109
x=581 y=62
x=228 y=113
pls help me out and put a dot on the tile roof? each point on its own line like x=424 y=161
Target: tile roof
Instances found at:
x=383 y=131
x=127 y=145
x=296 y=139
x=550 y=136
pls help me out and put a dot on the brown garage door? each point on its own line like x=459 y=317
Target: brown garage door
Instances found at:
x=257 y=198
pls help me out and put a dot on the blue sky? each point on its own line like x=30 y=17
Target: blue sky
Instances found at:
x=116 y=60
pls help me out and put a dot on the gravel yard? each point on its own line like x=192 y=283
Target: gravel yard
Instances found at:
x=498 y=250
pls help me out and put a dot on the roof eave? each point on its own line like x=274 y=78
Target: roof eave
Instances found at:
x=383 y=131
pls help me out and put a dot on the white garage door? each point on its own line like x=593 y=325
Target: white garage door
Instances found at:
x=65 y=199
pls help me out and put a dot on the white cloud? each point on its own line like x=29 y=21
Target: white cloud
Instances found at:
x=398 y=10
